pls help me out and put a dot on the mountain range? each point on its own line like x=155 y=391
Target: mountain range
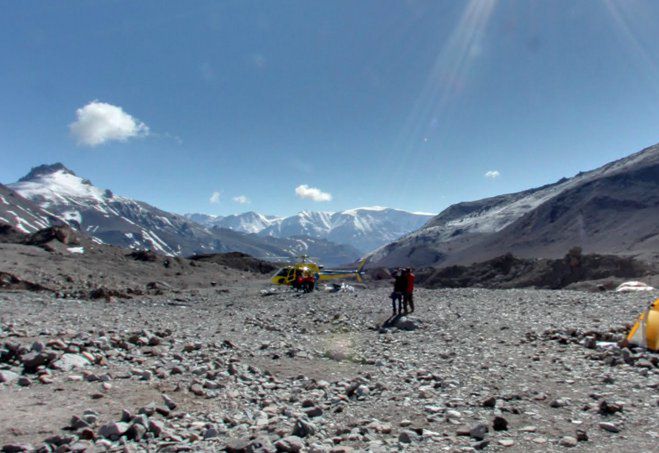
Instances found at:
x=362 y=228
x=613 y=209
x=51 y=194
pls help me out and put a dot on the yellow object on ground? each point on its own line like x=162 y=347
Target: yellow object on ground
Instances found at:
x=645 y=332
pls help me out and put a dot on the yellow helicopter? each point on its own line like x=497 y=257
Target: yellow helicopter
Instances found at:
x=288 y=275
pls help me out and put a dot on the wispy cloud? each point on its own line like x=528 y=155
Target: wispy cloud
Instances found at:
x=215 y=197
x=312 y=193
x=100 y=122
x=492 y=174
x=241 y=199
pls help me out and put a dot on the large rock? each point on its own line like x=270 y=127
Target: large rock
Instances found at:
x=69 y=362
x=33 y=360
x=290 y=444
x=7 y=376
x=114 y=430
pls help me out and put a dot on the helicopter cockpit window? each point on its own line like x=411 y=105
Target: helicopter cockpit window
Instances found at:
x=282 y=273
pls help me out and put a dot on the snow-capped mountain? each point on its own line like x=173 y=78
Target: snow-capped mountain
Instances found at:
x=128 y=223
x=613 y=209
x=362 y=228
x=247 y=222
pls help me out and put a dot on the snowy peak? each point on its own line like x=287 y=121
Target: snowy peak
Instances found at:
x=248 y=222
x=55 y=184
x=45 y=169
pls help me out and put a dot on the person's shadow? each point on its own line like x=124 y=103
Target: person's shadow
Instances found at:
x=392 y=320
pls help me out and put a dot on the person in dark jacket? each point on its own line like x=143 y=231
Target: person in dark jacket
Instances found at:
x=408 y=295
x=400 y=285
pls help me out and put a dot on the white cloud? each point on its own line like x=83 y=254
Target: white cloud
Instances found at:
x=492 y=174
x=312 y=193
x=99 y=122
x=215 y=197
x=241 y=199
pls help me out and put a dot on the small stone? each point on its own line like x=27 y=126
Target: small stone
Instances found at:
x=480 y=445
x=453 y=414
x=136 y=432
x=237 y=445
x=114 y=430
x=408 y=436
x=506 y=442
x=17 y=448
x=568 y=441
x=304 y=428
x=24 y=381
x=606 y=408
x=489 y=402
x=156 y=427
x=478 y=431
x=7 y=376
x=560 y=402
x=87 y=434
x=582 y=436
x=313 y=412
x=211 y=433
x=500 y=424
x=169 y=402
x=463 y=430
x=78 y=423
x=289 y=444
x=610 y=427
x=197 y=390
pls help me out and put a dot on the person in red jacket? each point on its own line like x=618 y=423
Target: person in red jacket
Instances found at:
x=408 y=296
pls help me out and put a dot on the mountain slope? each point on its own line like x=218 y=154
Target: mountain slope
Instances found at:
x=613 y=209
x=22 y=214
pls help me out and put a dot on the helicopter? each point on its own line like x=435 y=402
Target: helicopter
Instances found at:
x=287 y=275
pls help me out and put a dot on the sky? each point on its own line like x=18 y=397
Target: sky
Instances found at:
x=281 y=106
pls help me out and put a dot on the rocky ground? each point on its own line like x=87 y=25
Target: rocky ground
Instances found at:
x=241 y=370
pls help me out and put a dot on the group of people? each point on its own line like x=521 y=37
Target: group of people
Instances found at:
x=403 y=291
x=305 y=281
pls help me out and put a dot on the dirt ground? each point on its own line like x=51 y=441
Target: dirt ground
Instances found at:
x=262 y=360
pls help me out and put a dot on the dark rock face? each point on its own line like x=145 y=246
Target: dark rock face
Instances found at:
x=508 y=271
x=143 y=255
x=63 y=234
x=237 y=260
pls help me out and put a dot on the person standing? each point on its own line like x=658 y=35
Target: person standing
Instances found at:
x=397 y=295
x=408 y=297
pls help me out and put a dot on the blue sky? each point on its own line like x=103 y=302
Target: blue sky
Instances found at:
x=407 y=104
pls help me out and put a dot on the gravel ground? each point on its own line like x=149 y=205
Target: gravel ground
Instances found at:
x=500 y=370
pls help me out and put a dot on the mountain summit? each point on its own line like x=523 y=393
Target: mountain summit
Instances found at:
x=44 y=170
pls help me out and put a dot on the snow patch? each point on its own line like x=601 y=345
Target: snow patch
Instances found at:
x=633 y=286
x=76 y=249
